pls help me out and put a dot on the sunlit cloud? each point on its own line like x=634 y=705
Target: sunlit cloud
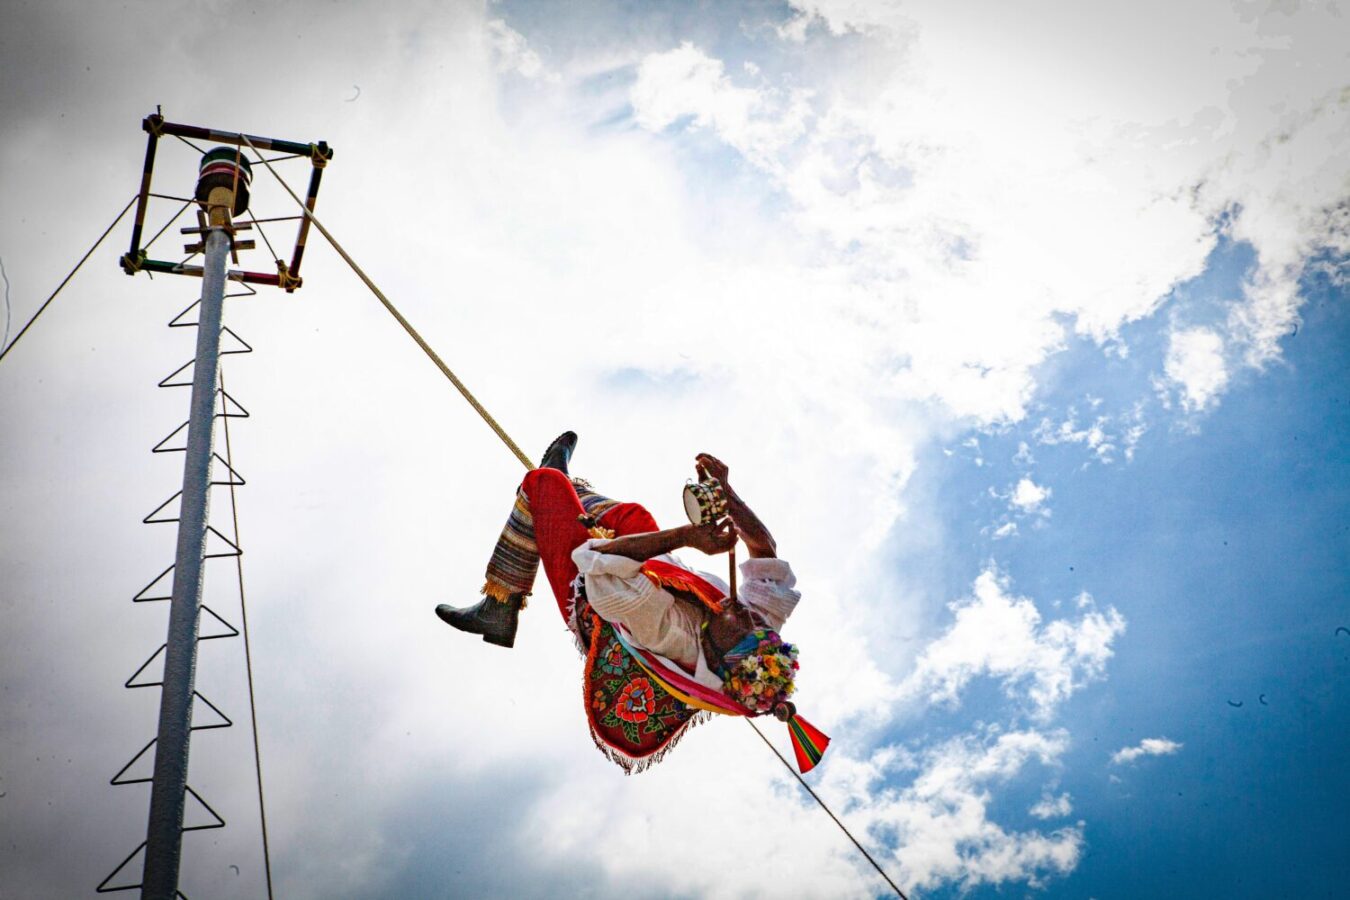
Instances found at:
x=1159 y=746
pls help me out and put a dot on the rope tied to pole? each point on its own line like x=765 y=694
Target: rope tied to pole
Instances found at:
x=407 y=326
x=520 y=455
x=90 y=252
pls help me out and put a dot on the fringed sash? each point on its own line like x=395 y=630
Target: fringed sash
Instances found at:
x=639 y=704
x=634 y=720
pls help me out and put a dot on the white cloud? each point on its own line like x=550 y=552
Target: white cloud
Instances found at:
x=1195 y=364
x=1105 y=436
x=1027 y=496
x=513 y=52
x=1159 y=746
x=1052 y=807
x=989 y=209
x=944 y=833
x=1002 y=636
x=687 y=83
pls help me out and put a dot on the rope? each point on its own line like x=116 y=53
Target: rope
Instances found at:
x=4 y=350
x=181 y=210
x=263 y=233
x=426 y=348
x=248 y=655
x=487 y=417
x=797 y=775
x=8 y=313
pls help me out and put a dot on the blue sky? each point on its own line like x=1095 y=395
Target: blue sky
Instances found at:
x=1032 y=357
x=1225 y=548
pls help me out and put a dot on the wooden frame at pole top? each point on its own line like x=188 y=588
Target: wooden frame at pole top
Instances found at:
x=287 y=275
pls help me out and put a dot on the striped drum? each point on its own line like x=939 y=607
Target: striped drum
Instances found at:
x=224 y=167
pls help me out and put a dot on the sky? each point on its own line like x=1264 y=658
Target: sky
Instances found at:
x=1023 y=326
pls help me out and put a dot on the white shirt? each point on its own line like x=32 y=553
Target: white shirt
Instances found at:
x=619 y=592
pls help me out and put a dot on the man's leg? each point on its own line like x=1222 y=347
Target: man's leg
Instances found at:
x=545 y=524
x=558 y=506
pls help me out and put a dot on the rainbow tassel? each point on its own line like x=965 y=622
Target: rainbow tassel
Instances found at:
x=808 y=742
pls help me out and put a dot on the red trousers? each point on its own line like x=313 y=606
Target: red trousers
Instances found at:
x=556 y=509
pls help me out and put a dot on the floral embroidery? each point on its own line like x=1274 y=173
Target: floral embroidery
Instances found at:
x=632 y=719
x=636 y=701
x=614 y=659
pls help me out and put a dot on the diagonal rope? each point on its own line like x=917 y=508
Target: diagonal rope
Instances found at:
x=828 y=811
x=181 y=210
x=248 y=655
x=8 y=313
x=4 y=350
x=511 y=445
x=426 y=348
x=258 y=225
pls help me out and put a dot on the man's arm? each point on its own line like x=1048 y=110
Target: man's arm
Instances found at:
x=710 y=539
x=756 y=535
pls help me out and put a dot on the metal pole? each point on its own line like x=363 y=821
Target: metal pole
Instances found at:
x=164 y=833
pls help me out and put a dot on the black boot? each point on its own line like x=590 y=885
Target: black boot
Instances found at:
x=559 y=452
x=495 y=620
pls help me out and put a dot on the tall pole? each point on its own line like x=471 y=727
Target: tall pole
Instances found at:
x=164 y=833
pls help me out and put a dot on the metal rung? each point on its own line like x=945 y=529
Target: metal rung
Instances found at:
x=248 y=348
x=151 y=520
x=140 y=596
x=167 y=383
x=220 y=823
x=174 y=323
x=234 y=479
x=103 y=885
x=226 y=401
x=233 y=632
x=233 y=546
x=128 y=683
x=160 y=448
x=118 y=779
x=225 y=724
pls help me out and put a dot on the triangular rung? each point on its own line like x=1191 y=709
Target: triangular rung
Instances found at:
x=132 y=683
x=105 y=888
x=240 y=345
x=235 y=478
x=223 y=721
x=154 y=590
x=151 y=520
x=149 y=776
x=230 y=407
x=161 y=448
x=233 y=551
x=177 y=321
x=169 y=379
x=233 y=632
x=206 y=807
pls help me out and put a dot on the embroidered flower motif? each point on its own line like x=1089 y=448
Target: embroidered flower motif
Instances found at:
x=635 y=701
x=613 y=659
x=598 y=701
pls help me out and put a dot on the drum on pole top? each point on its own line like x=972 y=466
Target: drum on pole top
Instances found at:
x=223 y=180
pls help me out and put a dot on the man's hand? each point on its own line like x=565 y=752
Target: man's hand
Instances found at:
x=713 y=538
x=708 y=465
x=751 y=530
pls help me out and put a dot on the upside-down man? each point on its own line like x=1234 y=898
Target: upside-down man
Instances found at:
x=662 y=641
